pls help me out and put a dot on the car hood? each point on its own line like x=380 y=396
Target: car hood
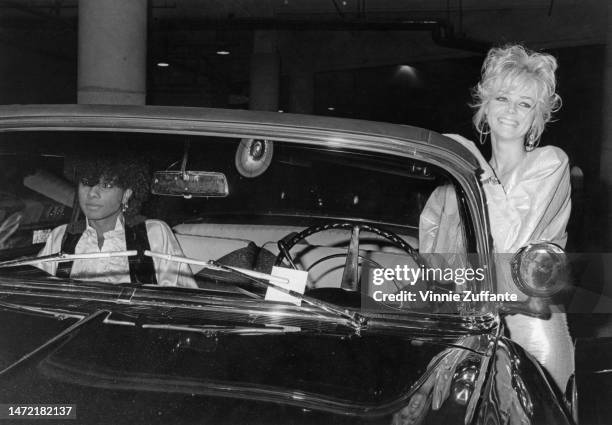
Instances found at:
x=105 y=366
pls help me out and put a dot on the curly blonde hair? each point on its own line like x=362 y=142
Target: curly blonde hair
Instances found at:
x=512 y=66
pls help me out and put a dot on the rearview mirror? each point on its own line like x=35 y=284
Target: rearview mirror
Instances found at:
x=189 y=184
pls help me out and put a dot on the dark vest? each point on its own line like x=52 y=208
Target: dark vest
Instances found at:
x=142 y=269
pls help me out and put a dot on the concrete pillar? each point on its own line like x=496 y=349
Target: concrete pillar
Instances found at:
x=605 y=164
x=301 y=90
x=265 y=72
x=112 y=51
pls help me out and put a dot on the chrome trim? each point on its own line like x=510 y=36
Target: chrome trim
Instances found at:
x=518 y=392
x=54 y=340
x=81 y=297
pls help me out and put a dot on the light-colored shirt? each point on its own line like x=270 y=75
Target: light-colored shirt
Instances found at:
x=533 y=206
x=116 y=269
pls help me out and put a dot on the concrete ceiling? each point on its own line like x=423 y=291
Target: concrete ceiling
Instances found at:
x=321 y=36
x=544 y=21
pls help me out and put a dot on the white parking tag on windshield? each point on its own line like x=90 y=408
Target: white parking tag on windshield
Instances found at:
x=40 y=236
x=297 y=283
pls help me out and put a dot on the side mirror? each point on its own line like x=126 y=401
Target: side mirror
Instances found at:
x=539 y=270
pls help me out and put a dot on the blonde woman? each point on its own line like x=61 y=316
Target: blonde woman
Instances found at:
x=527 y=187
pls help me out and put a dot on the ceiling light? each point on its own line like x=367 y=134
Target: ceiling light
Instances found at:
x=331 y=108
x=407 y=70
x=163 y=64
x=223 y=52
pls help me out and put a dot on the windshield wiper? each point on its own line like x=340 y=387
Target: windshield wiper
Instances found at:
x=209 y=265
x=356 y=320
x=62 y=257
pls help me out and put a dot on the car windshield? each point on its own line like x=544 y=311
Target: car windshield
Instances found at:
x=349 y=219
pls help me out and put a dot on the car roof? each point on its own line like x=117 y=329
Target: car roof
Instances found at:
x=191 y=119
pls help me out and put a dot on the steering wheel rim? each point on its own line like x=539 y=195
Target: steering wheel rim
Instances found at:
x=352 y=255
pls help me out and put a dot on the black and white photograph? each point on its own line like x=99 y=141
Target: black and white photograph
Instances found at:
x=305 y=212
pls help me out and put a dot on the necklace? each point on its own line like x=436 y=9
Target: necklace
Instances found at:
x=502 y=177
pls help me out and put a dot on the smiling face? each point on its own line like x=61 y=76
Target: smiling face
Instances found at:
x=101 y=202
x=510 y=113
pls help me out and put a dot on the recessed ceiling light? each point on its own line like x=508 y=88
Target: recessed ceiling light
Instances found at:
x=223 y=52
x=407 y=70
x=331 y=108
x=163 y=64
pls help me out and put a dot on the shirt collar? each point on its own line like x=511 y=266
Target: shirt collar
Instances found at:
x=119 y=225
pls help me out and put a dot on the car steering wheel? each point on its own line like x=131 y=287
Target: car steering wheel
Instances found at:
x=350 y=276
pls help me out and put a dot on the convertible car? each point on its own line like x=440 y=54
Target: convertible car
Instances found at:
x=315 y=301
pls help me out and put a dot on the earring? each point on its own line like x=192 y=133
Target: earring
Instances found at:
x=124 y=207
x=483 y=132
x=531 y=141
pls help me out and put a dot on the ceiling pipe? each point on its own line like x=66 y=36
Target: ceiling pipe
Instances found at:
x=69 y=23
x=442 y=32
x=443 y=35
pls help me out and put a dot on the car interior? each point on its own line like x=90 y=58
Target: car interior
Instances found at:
x=239 y=197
